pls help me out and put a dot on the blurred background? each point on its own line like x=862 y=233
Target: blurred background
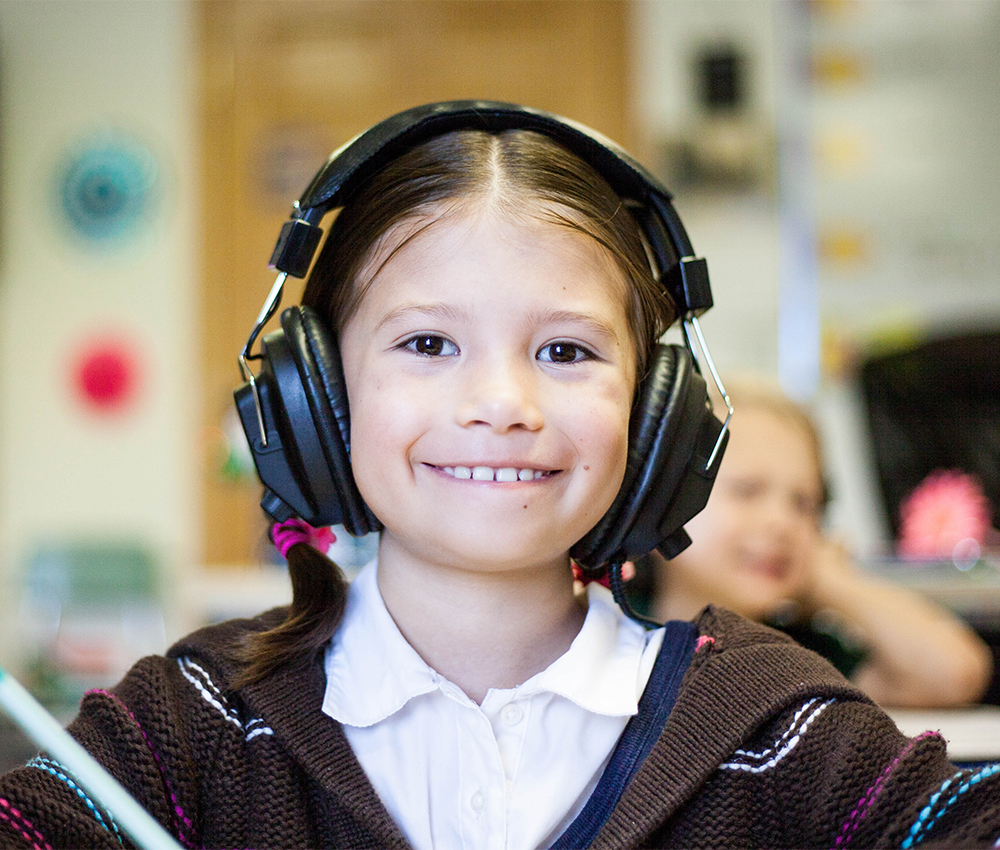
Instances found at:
x=835 y=161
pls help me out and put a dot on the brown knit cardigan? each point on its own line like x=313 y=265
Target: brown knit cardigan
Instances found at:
x=766 y=746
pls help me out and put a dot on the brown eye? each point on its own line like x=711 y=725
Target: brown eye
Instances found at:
x=806 y=505
x=746 y=489
x=563 y=352
x=431 y=345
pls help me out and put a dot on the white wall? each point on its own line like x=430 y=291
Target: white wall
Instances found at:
x=68 y=69
x=736 y=232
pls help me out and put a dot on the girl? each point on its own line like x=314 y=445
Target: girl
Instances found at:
x=495 y=311
x=758 y=549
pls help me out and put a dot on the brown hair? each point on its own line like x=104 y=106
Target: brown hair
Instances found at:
x=516 y=172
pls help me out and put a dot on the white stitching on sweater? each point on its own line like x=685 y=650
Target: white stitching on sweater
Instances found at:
x=795 y=722
x=219 y=704
x=265 y=730
x=785 y=750
x=224 y=710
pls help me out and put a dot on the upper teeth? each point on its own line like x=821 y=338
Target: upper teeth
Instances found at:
x=488 y=473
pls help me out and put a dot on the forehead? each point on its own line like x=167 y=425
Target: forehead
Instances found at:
x=494 y=240
x=771 y=442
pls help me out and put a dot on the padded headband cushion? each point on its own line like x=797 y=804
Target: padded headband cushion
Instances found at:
x=350 y=167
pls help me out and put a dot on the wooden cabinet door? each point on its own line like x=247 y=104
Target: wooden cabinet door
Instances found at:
x=284 y=82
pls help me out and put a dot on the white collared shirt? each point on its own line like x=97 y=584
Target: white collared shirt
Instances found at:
x=510 y=774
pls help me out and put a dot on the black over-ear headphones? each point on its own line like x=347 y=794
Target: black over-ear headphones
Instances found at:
x=295 y=411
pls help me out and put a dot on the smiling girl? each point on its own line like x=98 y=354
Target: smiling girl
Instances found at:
x=490 y=298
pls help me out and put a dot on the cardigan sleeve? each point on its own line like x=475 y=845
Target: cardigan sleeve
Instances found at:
x=837 y=773
x=154 y=732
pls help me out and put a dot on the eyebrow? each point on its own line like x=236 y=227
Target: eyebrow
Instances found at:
x=546 y=317
x=596 y=325
x=431 y=311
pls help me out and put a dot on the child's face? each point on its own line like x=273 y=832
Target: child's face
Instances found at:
x=752 y=544
x=490 y=374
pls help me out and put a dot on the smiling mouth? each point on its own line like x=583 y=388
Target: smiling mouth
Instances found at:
x=504 y=474
x=772 y=568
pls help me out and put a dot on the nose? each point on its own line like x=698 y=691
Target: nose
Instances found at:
x=776 y=514
x=501 y=395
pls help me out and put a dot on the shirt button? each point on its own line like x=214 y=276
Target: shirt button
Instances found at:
x=478 y=802
x=511 y=714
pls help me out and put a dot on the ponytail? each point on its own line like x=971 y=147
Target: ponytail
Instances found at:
x=319 y=594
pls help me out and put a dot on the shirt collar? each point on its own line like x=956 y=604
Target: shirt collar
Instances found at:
x=604 y=670
x=372 y=672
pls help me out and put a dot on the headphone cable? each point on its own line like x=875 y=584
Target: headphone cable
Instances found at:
x=617 y=584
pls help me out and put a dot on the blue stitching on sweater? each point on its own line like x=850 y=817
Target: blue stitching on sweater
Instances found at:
x=57 y=770
x=927 y=819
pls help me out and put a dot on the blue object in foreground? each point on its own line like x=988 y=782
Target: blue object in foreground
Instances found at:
x=46 y=732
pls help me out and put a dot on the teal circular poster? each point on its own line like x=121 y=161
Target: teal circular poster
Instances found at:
x=107 y=187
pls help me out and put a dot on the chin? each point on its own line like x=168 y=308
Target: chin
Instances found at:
x=759 y=603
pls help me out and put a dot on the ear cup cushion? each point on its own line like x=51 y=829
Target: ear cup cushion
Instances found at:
x=308 y=487
x=658 y=421
x=673 y=465
x=317 y=358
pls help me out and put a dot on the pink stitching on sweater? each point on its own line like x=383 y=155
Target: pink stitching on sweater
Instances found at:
x=703 y=641
x=178 y=811
x=22 y=824
x=868 y=799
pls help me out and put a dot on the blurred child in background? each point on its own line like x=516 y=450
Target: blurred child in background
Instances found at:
x=759 y=549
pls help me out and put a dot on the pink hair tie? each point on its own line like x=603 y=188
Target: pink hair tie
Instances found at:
x=286 y=534
x=628 y=573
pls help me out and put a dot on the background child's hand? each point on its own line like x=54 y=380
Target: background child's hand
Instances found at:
x=919 y=653
x=832 y=573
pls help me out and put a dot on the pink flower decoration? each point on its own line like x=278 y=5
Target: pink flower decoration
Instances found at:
x=947 y=508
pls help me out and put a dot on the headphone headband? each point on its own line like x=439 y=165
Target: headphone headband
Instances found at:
x=351 y=166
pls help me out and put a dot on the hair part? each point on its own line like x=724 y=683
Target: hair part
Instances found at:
x=515 y=173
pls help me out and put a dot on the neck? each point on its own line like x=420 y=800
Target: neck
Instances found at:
x=481 y=628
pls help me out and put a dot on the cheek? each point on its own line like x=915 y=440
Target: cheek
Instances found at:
x=367 y=446
x=603 y=440
x=714 y=530
x=807 y=539
x=377 y=430
x=382 y=421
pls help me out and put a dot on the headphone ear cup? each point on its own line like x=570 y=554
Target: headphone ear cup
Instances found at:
x=667 y=418
x=319 y=370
